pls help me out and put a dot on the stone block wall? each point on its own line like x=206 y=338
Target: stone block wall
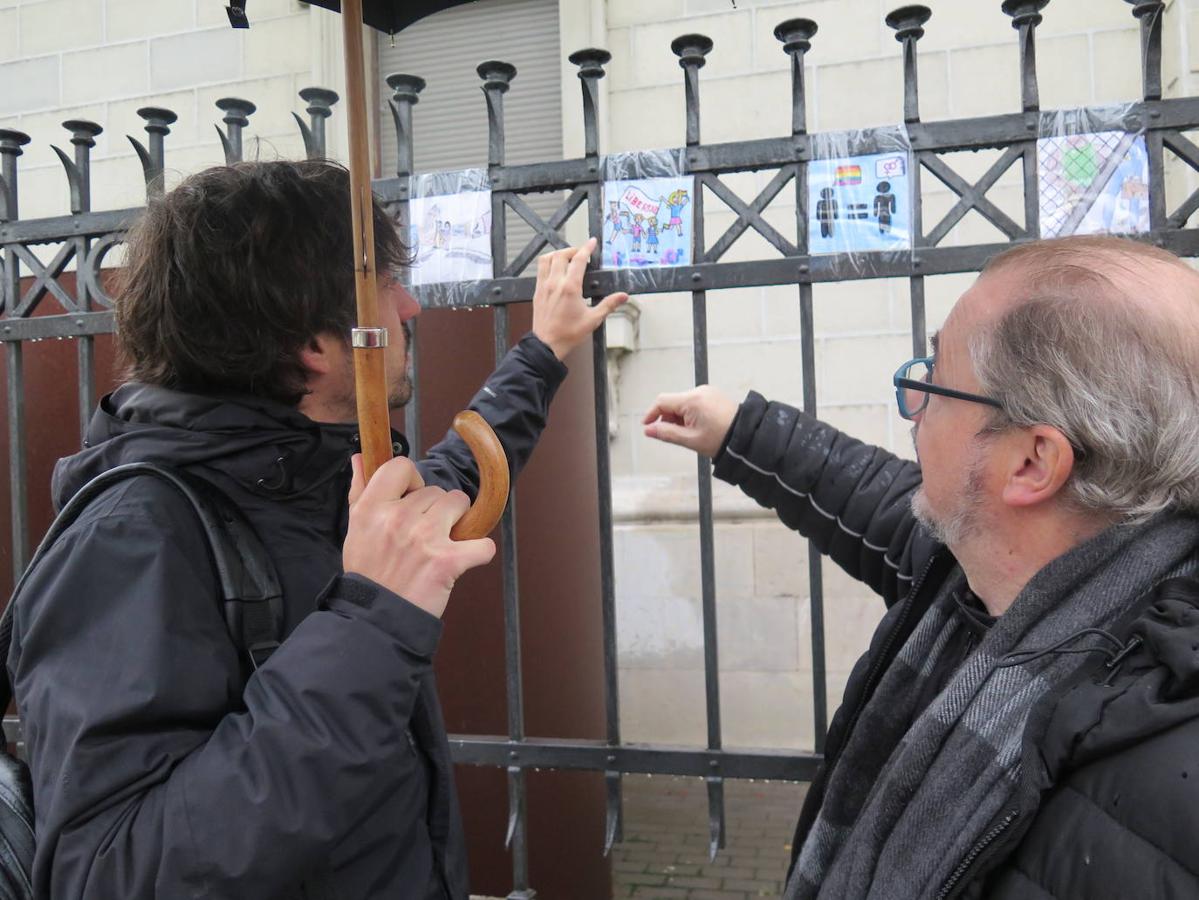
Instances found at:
x=104 y=59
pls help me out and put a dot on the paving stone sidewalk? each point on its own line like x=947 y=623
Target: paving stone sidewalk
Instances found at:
x=664 y=855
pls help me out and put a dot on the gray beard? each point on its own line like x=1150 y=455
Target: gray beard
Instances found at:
x=962 y=523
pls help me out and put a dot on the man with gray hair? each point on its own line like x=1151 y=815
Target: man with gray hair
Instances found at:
x=1025 y=721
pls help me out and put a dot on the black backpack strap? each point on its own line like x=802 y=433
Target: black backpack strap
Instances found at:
x=251 y=598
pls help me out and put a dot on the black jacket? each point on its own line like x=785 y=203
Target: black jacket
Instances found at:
x=1108 y=802
x=158 y=770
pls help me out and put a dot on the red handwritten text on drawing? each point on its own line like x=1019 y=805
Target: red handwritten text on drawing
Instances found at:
x=638 y=201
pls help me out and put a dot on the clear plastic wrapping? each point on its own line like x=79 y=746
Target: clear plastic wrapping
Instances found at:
x=449 y=229
x=860 y=194
x=648 y=210
x=1092 y=172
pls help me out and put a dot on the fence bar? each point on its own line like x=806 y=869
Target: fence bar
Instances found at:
x=497 y=76
x=1026 y=16
x=405 y=93
x=764 y=765
x=815 y=559
x=11 y=143
x=1149 y=13
x=83 y=137
x=16 y=459
x=591 y=62
x=796 y=36
x=907 y=22
x=691 y=50
x=517 y=836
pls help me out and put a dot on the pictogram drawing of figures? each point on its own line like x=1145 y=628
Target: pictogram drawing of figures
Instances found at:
x=884 y=206
x=826 y=212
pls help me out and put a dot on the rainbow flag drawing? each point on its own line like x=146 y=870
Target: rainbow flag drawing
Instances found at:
x=847 y=176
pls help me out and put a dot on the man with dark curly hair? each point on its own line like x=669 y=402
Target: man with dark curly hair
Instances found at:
x=163 y=765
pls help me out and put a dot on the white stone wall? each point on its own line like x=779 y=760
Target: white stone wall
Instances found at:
x=104 y=59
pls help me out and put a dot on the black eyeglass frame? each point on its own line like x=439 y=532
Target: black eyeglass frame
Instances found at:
x=902 y=383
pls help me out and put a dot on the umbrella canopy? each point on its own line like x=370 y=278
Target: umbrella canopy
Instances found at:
x=390 y=16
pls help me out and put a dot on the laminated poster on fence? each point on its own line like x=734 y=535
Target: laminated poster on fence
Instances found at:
x=1094 y=183
x=450 y=235
x=647 y=222
x=858 y=204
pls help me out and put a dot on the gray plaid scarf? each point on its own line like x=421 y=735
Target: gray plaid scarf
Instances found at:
x=904 y=804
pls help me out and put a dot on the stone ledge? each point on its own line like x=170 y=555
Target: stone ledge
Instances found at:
x=641 y=499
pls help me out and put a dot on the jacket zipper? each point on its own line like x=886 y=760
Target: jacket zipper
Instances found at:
x=978 y=848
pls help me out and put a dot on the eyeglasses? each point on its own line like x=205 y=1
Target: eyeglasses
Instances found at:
x=913 y=384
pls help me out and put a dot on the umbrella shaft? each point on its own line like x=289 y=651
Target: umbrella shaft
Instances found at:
x=374 y=427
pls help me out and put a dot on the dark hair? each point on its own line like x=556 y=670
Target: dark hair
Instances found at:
x=233 y=272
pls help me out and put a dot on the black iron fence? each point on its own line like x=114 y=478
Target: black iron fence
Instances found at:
x=84 y=238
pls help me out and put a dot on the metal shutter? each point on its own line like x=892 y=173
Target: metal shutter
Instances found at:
x=450 y=121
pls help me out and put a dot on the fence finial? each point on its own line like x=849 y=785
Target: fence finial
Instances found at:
x=691 y=50
x=320 y=106
x=796 y=35
x=158 y=126
x=83 y=136
x=405 y=94
x=1149 y=13
x=237 y=116
x=908 y=22
x=591 y=62
x=1026 y=16
x=497 y=76
x=11 y=142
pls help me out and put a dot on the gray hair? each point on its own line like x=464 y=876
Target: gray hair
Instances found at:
x=1116 y=380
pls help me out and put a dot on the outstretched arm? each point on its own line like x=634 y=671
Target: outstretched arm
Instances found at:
x=515 y=400
x=852 y=499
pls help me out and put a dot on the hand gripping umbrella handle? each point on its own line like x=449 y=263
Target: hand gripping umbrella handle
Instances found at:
x=489 y=505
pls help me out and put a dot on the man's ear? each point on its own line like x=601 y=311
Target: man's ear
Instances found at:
x=320 y=354
x=1040 y=460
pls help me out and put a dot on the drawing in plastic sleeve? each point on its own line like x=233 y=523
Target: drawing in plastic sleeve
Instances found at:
x=859 y=203
x=647 y=222
x=1093 y=183
x=450 y=236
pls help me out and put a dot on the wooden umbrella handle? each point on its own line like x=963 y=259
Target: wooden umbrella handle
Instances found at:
x=494 y=479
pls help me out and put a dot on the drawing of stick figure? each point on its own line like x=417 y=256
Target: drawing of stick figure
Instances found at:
x=676 y=201
x=884 y=206
x=826 y=212
x=638 y=231
x=652 y=235
x=614 y=218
